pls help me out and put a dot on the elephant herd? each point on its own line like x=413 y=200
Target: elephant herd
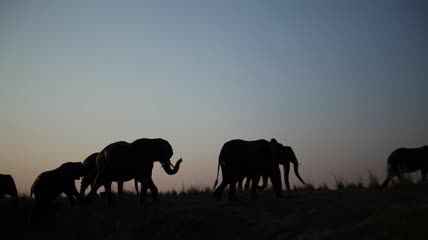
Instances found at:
x=238 y=160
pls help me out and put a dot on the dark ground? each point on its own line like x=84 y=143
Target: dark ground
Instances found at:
x=393 y=213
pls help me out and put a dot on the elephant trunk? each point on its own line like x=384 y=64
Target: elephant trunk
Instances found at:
x=296 y=171
x=170 y=169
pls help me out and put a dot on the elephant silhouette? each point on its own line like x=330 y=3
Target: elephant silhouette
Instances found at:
x=123 y=161
x=90 y=164
x=406 y=160
x=50 y=184
x=251 y=159
x=288 y=156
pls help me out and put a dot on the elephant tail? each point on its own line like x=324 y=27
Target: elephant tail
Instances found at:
x=216 y=181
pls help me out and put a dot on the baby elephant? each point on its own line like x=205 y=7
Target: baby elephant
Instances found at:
x=50 y=184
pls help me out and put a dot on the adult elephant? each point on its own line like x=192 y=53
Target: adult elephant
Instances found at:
x=407 y=160
x=90 y=164
x=123 y=161
x=7 y=186
x=252 y=159
x=287 y=156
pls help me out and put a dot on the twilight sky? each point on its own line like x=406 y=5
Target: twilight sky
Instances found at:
x=342 y=82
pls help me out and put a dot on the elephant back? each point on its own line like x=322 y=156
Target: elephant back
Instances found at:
x=245 y=157
x=407 y=159
x=115 y=152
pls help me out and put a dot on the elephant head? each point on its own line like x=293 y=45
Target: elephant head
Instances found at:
x=287 y=155
x=164 y=155
x=90 y=165
x=122 y=161
x=72 y=170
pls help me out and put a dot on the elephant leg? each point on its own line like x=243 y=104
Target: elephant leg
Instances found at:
x=97 y=184
x=107 y=187
x=71 y=192
x=70 y=197
x=219 y=190
x=153 y=190
x=240 y=184
x=247 y=184
x=145 y=180
x=143 y=191
x=276 y=181
x=265 y=182
x=136 y=186
x=232 y=194
x=400 y=178
x=83 y=186
x=74 y=192
x=286 y=176
x=254 y=186
x=423 y=175
x=119 y=189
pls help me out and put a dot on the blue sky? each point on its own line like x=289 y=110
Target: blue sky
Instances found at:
x=342 y=82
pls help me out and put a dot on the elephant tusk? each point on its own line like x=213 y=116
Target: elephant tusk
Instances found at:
x=166 y=164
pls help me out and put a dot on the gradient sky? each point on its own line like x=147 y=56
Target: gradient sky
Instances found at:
x=342 y=82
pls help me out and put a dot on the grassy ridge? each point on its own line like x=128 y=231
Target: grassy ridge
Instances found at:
x=398 y=212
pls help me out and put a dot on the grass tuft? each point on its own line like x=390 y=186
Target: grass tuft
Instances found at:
x=323 y=187
x=339 y=182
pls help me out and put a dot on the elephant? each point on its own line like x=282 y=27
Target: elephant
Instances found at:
x=50 y=184
x=90 y=163
x=7 y=187
x=123 y=161
x=252 y=159
x=407 y=160
x=288 y=157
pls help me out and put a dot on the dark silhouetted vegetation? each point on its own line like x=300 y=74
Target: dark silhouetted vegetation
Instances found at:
x=352 y=211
